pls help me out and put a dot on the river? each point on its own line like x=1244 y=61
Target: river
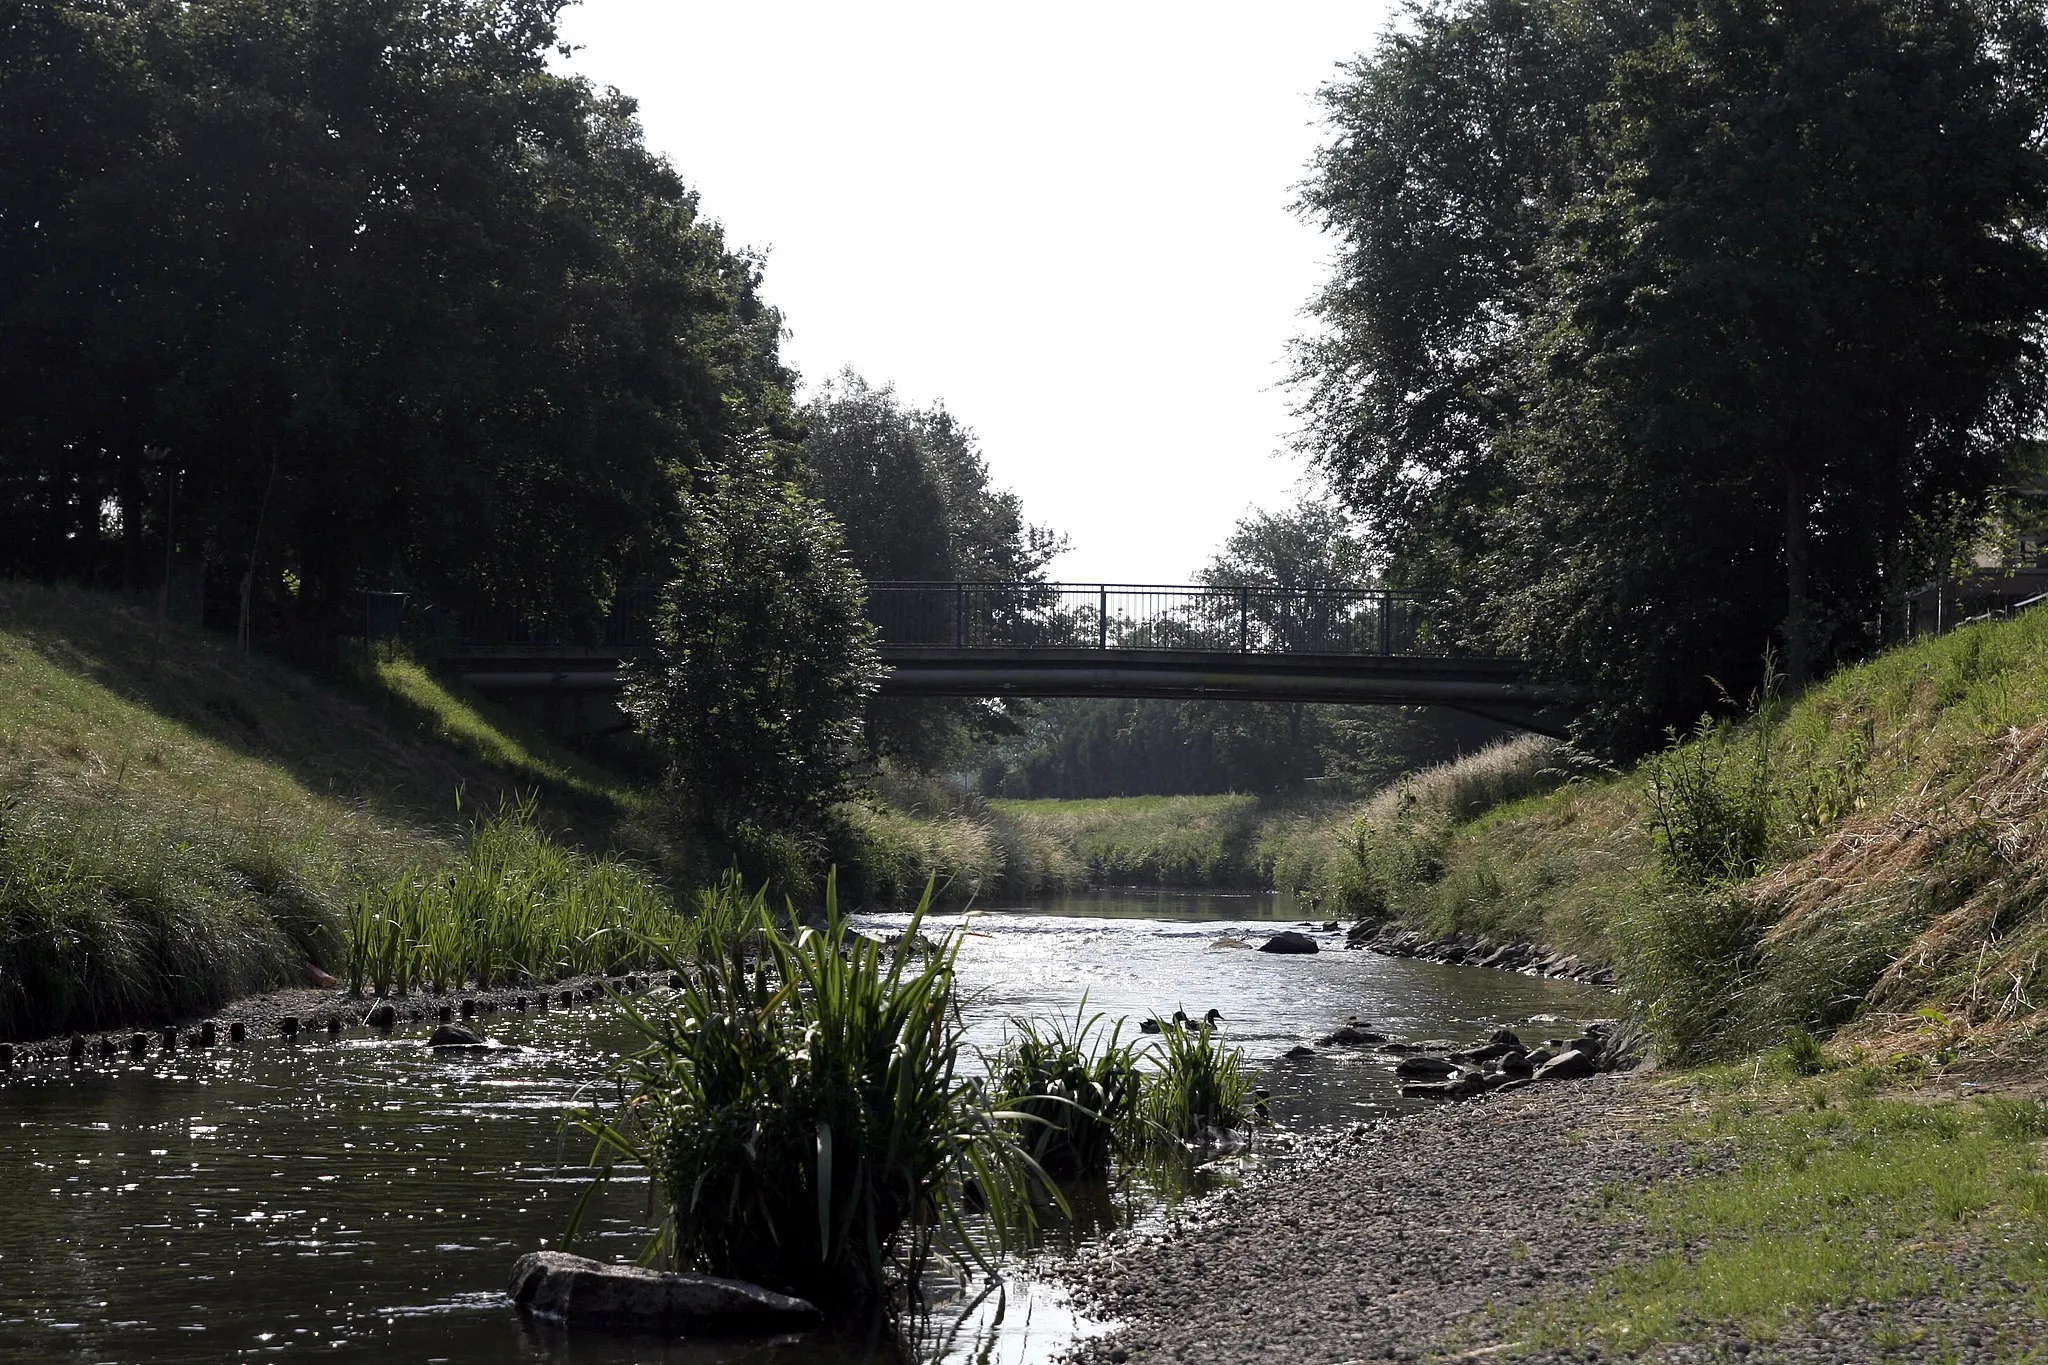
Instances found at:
x=364 y=1199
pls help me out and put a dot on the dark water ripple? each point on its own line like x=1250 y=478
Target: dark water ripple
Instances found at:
x=364 y=1200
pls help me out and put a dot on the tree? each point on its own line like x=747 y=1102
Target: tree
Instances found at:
x=1777 y=326
x=381 y=283
x=912 y=490
x=764 y=661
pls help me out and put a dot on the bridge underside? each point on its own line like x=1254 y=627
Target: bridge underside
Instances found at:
x=577 y=691
x=1497 y=689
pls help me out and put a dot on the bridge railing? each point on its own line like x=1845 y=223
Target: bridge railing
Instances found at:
x=1251 y=620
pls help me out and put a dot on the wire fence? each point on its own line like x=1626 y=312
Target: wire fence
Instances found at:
x=1246 y=620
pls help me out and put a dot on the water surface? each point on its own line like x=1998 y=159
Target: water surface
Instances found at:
x=365 y=1199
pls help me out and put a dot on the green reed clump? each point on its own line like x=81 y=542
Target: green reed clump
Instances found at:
x=806 y=1117
x=1077 y=1099
x=517 y=907
x=1200 y=1085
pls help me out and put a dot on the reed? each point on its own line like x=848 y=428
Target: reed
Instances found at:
x=806 y=1115
x=1075 y=1089
x=1199 y=1088
x=515 y=907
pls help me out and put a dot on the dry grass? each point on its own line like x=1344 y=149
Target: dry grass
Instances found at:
x=1904 y=900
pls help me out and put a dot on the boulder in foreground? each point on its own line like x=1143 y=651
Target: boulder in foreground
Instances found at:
x=575 y=1289
x=1289 y=941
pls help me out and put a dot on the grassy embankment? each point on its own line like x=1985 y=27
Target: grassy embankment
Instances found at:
x=1868 y=858
x=1832 y=914
x=182 y=825
x=1008 y=849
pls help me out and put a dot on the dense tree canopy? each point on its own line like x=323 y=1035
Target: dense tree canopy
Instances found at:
x=912 y=490
x=764 y=660
x=1662 y=335
x=389 y=303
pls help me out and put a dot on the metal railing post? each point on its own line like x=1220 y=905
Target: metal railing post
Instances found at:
x=1244 y=617
x=1102 y=616
x=960 y=615
x=1386 y=625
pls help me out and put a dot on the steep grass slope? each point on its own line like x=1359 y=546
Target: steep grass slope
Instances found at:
x=1872 y=857
x=179 y=824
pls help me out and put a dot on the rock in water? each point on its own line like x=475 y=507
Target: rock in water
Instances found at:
x=1424 y=1068
x=557 y=1285
x=453 y=1035
x=1351 y=1036
x=1289 y=941
x=1569 y=1065
x=383 y=1014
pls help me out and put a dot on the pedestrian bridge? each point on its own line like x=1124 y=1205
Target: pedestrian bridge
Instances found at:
x=1251 y=643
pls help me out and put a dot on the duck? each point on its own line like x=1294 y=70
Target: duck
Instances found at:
x=1180 y=1020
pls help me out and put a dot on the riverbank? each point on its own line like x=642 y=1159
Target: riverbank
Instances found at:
x=1624 y=1217
x=182 y=825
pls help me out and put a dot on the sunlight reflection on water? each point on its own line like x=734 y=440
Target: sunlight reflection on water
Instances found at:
x=364 y=1199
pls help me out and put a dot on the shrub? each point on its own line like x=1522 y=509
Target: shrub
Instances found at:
x=806 y=1117
x=1077 y=1103
x=764 y=659
x=1714 y=803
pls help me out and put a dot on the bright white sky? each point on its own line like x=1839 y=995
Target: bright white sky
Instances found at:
x=1068 y=221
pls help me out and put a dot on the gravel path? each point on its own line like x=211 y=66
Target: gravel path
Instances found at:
x=1417 y=1238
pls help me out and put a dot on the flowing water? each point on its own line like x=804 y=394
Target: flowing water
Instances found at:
x=364 y=1199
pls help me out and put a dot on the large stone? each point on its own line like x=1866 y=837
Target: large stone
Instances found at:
x=1289 y=941
x=383 y=1014
x=574 y=1289
x=1569 y=1065
x=1432 y=1090
x=1424 y=1068
x=1350 y=1035
x=454 y=1035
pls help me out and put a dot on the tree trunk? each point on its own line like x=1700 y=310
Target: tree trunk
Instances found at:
x=1798 y=629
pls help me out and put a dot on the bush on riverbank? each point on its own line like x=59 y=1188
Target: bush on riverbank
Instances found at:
x=183 y=824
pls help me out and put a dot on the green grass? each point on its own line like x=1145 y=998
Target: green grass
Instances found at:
x=809 y=1117
x=1077 y=1090
x=1837 y=1196
x=1870 y=849
x=1293 y=844
x=517 y=907
x=182 y=825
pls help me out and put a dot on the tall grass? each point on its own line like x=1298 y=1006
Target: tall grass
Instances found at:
x=517 y=906
x=1200 y=1086
x=121 y=914
x=1076 y=1090
x=807 y=1117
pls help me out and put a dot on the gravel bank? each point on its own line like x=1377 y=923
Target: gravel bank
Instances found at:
x=1417 y=1238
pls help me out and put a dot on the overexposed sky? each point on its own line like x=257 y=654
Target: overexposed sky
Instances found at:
x=1067 y=221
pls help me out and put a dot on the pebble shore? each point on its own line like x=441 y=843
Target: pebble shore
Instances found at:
x=1421 y=1238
